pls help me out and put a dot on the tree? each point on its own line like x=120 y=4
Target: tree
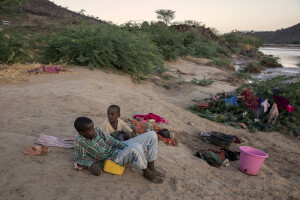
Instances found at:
x=166 y=15
x=82 y=11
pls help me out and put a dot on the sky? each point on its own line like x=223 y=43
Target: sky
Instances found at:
x=224 y=15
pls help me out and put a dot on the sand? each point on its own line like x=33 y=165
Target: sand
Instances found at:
x=49 y=104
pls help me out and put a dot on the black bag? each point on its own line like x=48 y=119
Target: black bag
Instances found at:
x=164 y=133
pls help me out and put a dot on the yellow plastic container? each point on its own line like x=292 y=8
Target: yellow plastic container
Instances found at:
x=113 y=168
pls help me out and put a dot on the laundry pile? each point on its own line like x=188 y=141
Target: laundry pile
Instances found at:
x=243 y=109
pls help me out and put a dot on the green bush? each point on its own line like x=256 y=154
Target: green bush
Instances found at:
x=202 y=82
x=13 y=48
x=104 y=45
x=270 y=61
x=220 y=62
x=236 y=39
x=207 y=49
x=169 y=41
x=253 y=67
x=191 y=36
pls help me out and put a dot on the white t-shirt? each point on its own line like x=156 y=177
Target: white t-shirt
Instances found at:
x=122 y=126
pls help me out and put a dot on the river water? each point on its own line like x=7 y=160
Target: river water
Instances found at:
x=289 y=57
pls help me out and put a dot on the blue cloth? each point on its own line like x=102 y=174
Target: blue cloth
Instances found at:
x=260 y=102
x=232 y=100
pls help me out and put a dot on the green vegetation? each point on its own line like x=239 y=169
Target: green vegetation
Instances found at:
x=166 y=15
x=13 y=48
x=242 y=44
x=287 y=123
x=104 y=45
x=9 y=7
x=253 y=67
x=202 y=82
x=137 y=49
x=205 y=48
x=223 y=62
x=270 y=61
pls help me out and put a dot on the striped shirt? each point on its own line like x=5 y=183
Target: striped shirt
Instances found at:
x=100 y=147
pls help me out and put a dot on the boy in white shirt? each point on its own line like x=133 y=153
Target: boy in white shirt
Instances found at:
x=115 y=127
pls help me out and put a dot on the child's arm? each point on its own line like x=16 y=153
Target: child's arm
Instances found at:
x=126 y=128
x=81 y=156
x=110 y=140
x=82 y=161
x=134 y=130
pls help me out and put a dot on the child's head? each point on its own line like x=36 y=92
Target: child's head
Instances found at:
x=113 y=113
x=85 y=127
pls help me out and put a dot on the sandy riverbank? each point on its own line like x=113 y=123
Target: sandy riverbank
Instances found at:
x=49 y=104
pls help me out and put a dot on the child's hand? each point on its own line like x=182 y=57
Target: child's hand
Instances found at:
x=95 y=169
x=133 y=134
x=133 y=129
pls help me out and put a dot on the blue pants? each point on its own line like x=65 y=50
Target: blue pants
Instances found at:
x=135 y=151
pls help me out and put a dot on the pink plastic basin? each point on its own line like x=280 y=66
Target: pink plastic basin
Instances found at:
x=251 y=160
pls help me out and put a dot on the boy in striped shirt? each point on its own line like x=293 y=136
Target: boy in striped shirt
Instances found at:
x=93 y=145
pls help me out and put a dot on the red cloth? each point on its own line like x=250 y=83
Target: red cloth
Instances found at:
x=281 y=102
x=145 y=118
x=142 y=128
x=236 y=139
x=201 y=104
x=52 y=69
x=221 y=153
x=251 y=101
x=290 y=108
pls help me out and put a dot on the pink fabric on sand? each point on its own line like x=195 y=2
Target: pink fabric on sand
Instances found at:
x=47 y=140
x=145 y=118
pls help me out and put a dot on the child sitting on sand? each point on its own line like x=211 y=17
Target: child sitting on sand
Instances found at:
x=93 y=145
x=115 y=127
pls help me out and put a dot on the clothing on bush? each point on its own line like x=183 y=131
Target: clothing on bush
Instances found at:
x=290 y=108
x=250 y=100
x=281 y=102
x=266 y=105
x=273 y=115
x=232 y=100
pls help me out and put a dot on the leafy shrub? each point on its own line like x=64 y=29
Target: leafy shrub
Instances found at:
x=270 y=61
x=236 y=39
x=202 y=82
x=168 y=40
x=243 y=75
x=104 y=45
x=13 y=48
x=253 y=67
x=220 y=62
x=190 y=37
x=207 y=49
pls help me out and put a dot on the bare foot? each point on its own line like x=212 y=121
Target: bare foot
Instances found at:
x=158 y=173
x=148 y=174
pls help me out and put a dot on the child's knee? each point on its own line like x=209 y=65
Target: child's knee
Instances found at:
x=137 y=147
x=153 y=135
